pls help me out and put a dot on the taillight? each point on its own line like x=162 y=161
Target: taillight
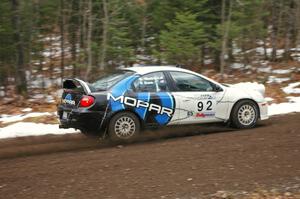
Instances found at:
x=86 y=101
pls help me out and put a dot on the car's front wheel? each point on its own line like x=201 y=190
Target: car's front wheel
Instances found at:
x=124 y=127
x=244 y=114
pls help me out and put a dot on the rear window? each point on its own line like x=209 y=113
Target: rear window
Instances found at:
x=109 y=79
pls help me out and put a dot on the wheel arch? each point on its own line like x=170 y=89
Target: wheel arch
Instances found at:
x=244 y=99
x=111 y=115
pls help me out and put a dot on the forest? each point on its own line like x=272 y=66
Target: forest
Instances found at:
x=55 y=39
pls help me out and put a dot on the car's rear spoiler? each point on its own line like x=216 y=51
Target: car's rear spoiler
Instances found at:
x=71 y=84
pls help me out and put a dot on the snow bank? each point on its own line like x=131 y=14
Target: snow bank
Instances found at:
x=237 y=65
x=22 y=129
x=291 y=88
x=287 y=107
x=15 y=118
x=273 y=79
x=282 y=71
x=269 y=99
x=265 y=69
x=27 y=110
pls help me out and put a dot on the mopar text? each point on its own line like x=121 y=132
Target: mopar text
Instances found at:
x=129 y=101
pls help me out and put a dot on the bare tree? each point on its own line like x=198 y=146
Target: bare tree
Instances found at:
x=89 y=39
x=62 y=39
x=105 y=27
x=144 y=25
x=289 y=10
x=297 y=40
x=225 y=23
x=20 y=75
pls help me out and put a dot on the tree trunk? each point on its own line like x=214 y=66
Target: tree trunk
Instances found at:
x=144 y=28
x=297 y=40
x=104 y=36
x=74 y=22
x=89 y=39
x=20 y=77
x=265 y=49
x=82 y=35
x=223 y=45
x=231 y=58
x=62 y=40
x=288 y=33
x=273 y=32
x=202 y=57
x=225 y=32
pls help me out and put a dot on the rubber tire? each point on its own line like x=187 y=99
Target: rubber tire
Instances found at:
x=234 y=115
x=112 y=135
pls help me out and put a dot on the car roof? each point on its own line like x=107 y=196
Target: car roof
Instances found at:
x=149 y=69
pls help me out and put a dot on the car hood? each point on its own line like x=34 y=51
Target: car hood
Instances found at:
x=249 y=87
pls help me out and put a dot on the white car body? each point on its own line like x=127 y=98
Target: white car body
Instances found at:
x=221 y=102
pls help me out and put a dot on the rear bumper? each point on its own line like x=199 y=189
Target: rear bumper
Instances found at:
x=82 y=119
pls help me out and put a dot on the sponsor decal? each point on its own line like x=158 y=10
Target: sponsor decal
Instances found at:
x=206 y=96
x=68 y=100
x=129 y=101
x=203 y=115
x=190 y=113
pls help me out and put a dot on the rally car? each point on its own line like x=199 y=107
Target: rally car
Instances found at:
x=122 y=103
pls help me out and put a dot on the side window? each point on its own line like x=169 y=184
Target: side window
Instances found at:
x=190 y=82
x=153 y=82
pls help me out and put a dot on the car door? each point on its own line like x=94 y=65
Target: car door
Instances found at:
x=197 y=97
x=155 y=105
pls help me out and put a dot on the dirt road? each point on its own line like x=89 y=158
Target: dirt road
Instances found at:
x=204 y=161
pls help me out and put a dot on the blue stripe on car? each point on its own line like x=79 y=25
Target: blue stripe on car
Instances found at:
x=141 y=111
x=166 y=101
x=119 y=90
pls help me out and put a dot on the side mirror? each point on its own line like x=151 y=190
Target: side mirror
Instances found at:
x=218 y=88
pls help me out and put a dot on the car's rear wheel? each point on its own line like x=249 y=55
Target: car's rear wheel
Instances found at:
x=244 y=114
x=124 y=127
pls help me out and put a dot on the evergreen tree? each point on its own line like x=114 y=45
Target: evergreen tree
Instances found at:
x=181 y=42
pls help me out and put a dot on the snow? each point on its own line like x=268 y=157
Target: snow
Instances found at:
x=265 y=69
x=208 y=61
x=144 y=57
x=273 y=79
x=282 y=71
x=15 y=118
x=269 y=99
x=287 y=107
x=295 y=49
x=22 y=129
x=49 y=99
x=261 y=51
x=237 y=65
x=51 y=38
x=291 y=88
x=44 y=82
x=27 y=110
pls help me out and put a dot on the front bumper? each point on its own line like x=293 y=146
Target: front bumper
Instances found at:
x=263 y=108
x=82 y=119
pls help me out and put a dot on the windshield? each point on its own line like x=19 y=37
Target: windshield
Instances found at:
x=110 y=79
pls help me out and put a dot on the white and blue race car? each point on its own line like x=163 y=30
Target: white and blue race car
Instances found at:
x=122 y=103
